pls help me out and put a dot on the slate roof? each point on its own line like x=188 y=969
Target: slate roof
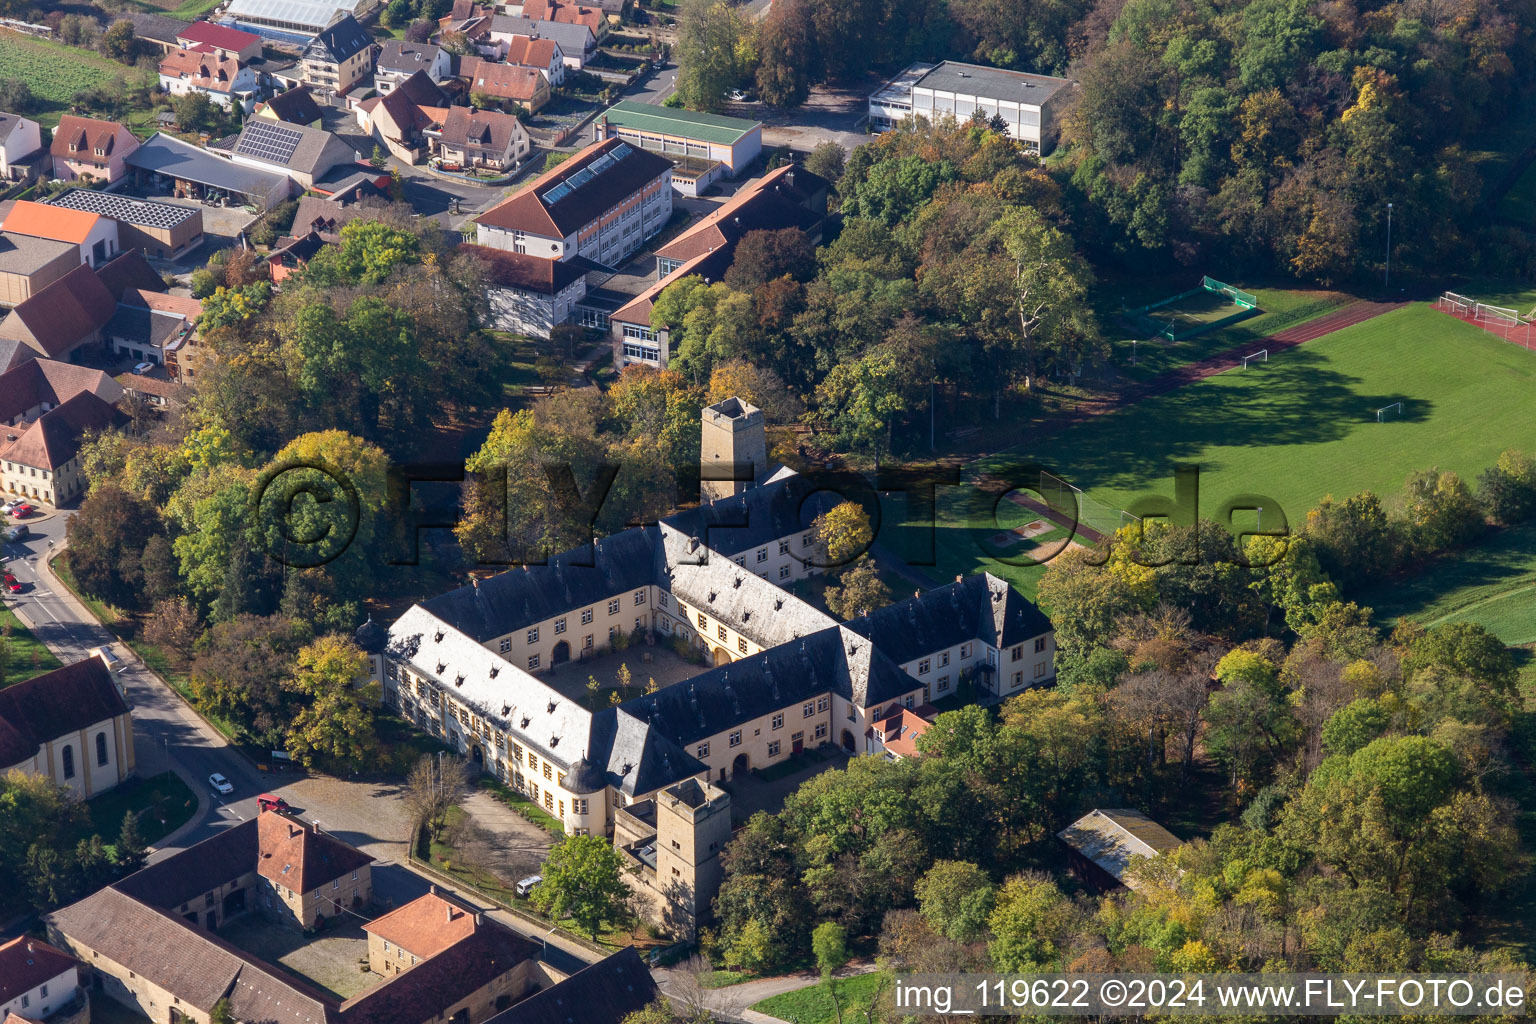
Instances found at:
x=607 y=991
x=542 y=208
x=62 y=313
x=651 y=117
x=773 y=509
x=54 y=704
x=26 y=963
x=54 y=437
x=530 y=273
x=341 y=40
x=298 y=857
x=295 y=106
x=402 y=57
x=36 y=381
x=575 y=40
x=978 y=607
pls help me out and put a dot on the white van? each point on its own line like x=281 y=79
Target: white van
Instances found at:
x=525 y=887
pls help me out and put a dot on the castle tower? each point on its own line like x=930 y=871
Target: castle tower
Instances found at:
x=693 y=824
x=733 y=449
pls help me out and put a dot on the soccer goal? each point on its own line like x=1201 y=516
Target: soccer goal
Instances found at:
x=1389 y=412
x=1089 y=513
x=1501 y=315
x=1456 y=305
x=1261 y=356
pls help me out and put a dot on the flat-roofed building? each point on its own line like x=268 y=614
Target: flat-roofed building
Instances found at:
x=601 y=204
x=165 y=230
x=727 y=144
x=1028 y=104
x=295 y=21
x=29 y=264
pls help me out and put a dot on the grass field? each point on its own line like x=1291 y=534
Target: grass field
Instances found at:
x=814 y=1005
x=1297 y=428
x=28 y=655
x=54 y=71
x=1492 y=583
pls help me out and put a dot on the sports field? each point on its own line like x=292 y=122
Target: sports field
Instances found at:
x=1492 y=583
x=1294 y=429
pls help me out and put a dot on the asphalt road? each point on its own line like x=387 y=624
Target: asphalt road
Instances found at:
x=168 y=734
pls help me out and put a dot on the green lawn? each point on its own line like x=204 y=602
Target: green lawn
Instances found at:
x=28 y=655
x=815 y=1005
x=1492 y=583
x=1297 y=428
x=163 y=803
x=522 y=805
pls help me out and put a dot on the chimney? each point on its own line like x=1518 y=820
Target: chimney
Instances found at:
x=432 y=889
x=479 y=918
x=789 y=177
x=449 y=908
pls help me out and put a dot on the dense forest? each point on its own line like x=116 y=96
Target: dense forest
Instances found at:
x=1258 y=136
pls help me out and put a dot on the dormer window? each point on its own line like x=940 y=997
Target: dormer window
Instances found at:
x=100 y=152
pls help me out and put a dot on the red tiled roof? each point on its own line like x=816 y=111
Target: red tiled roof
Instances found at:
x=299 y=858
x=425 y=926
x=902 y=728
x=52 y=439
x=504 y=81
x=530 y=52
x=58 y=316
x=487 y=129
x=221 y=36
x=47 y=380
x=567 y=14
x=182 y=305
x=519 y=270
x=87 y=135
x=202 y=68
x=26 y=963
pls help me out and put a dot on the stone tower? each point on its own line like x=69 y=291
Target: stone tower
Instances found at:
x=693 y=824
x=733 y=449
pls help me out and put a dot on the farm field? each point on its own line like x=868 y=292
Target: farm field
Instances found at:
x=1296 y=428
x=1492 y=583
x=57 y=72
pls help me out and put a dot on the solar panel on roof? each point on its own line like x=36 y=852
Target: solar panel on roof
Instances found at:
x=268 y=140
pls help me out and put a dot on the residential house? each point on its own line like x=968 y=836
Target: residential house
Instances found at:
x=153 y=327
x=400 y=118
x=163 y=230
x=509 y=83
x=1029 y=105
x=291 y=21
x=338 y=57
x=785 y=197
x=86 y=148
x=577 y=42
x=216 y=73
x=543 y=54
x=62 y=317
x=41 y=461
x=163 y=394
x=304 y=155
x=468 y=969
x=527 y=294
x=294 y=106
x=40 y=983
x=566 y=13
x=601 y=204
x=94 y=236
x=243 y=46
x=21 y=147
x=70 y=725
x=316 y=223
x=704 y=147
x=473 y=22
x=467 y=137
x=1102 y=845
x=156 y=30
x=399 y=60
x=33 y=387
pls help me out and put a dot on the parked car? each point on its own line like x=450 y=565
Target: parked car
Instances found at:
x=6 y=508
x=17 y=532
x=143 y=368
x=526 y=885
x=268 y=802
x=22 y=511
x=220 y=784
x=11 y=583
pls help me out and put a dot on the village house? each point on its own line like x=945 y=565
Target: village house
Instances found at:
x=153 y=327
x=564 y=13
x=35 y=386
x=577 y=42
x=399 y=60
x=338 y=57
x=42 y=461
x=473 y=22
x=601 y=204
x=216 y=73
x=70 y=725
x=293 y=106
x=93 y=236
x=162 y=230
x=508 y=83
x=83 y=147
x=305 y=155
x=243 y=46
x=471 y=138
x=543 y=55
x=21 y=148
